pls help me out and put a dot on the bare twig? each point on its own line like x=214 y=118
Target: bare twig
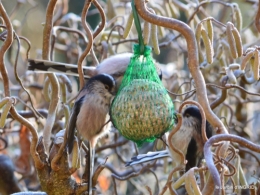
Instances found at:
x=53 y=79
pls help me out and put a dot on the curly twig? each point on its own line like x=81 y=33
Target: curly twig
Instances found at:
x=101 y=26
x=89 y=45
x=53 y=79
x=4 y=48
x=38 y=163
x=178 y=126
x=209 y=158
x=257 y=18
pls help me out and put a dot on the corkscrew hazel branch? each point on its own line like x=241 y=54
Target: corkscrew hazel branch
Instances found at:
x=66 y=81
x=53 y=79
x=183 y=161
x=101 y=26
x=16 y=74
x=90 y=42
x=209 y=157
x=62 y=28
x=169 y=181
x=257 y=18
x=149 y=190
x=7 y=43
x=46 y=87
x=189 y=179
x=36 y=158
x=63 y=92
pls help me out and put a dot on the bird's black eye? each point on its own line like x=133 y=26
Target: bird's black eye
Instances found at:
x=187 y=115
x=107 y=87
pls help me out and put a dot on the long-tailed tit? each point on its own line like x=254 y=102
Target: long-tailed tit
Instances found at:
x=114 y=66
x=188 y=139
x=90 y=114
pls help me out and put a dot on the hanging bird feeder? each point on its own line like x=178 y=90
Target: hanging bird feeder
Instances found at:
x=142 y=109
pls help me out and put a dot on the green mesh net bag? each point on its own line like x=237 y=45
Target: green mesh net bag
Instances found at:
x=142 y=109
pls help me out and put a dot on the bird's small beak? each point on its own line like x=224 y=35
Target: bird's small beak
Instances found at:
x=113 y=93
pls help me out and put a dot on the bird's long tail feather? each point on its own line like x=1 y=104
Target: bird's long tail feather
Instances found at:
x=141 y=158
x=45 y=66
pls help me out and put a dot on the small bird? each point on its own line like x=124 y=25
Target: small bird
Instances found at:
x=90 y=114
x=114 y=66
x=188 y=139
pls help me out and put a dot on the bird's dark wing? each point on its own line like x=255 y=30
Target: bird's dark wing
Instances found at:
x=192 y=155
x=72 y=123
x=209 y=130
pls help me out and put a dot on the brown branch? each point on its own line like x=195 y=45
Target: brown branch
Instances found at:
x=17 y=76
x=110 y=146
x=38 y=163
x=90 y=42
x=178 y=126
x=209 y=158
x=101 y=26
x=203 y=3
x=53 y=79
x=4 y=48
x=229 y=86
x=169 y=181
x=257 y=18
x=223 y=95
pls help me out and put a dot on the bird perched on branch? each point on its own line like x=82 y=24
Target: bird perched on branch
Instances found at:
x=187 y=139
x=90 y=114
x=114 y=66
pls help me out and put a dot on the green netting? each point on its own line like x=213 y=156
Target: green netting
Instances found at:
x=142 y=109
x=140 y=67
